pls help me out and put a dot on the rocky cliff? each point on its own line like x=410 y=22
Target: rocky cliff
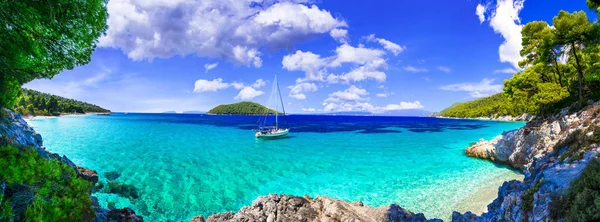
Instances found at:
x=554 y=154
x=292 y=208
x=16 y=132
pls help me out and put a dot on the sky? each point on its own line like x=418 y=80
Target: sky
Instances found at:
x=329 y=55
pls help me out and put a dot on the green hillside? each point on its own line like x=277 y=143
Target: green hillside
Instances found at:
x=492 y=105
x=241 y=108
x=31 y=102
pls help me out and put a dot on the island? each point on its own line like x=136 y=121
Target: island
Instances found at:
x=241 y=108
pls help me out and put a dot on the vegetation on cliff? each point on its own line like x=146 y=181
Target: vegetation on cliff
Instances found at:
x=31 y=102
x=546 y=84
x=36 y=189
x=241 y=108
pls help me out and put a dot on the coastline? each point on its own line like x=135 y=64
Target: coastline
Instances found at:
x=29 y=117
x=523 y=118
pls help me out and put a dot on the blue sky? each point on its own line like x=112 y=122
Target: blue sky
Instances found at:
x=375 y=56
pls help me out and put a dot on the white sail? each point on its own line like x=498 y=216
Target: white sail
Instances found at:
x=275 y=102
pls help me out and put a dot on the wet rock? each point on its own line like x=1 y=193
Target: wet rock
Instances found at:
x=112 y=175
x=97 y=187
x=125 y=214
x=124 y=190
x=293 y=208
x=87 y=174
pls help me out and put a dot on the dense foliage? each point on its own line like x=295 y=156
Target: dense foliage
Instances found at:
x=37 y=189
x=547 y=83
x=31 y=102
x=39 y=39
x=241 y=108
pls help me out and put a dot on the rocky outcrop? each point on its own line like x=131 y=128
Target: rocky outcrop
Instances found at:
x=552 y=153
x=506 y=118
x=293 y=208
x=87 y=174
x=537 y=139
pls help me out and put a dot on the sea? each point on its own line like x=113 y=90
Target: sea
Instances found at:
x=184 y=165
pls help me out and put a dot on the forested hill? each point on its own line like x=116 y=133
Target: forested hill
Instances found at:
x=241 y=108
x=31 y=102
x=483 y=107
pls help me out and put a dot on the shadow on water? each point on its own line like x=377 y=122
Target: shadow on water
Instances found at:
x=276 y=138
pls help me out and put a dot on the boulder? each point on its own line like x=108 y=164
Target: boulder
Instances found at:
x=125 y=214
x=87 y=174
x=273 y=208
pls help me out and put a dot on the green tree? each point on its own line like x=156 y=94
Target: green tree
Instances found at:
x=39 y=39
x=539 y=47
x=572 y=30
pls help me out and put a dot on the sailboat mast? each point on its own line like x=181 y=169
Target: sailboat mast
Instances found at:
x=276 y=104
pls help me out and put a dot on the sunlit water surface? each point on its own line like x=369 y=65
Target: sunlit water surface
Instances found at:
x=186 y=165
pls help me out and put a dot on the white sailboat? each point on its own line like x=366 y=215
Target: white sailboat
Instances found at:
x=270 y=132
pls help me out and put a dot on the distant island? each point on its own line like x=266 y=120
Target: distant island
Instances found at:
x=34 y=103
x=241 y=108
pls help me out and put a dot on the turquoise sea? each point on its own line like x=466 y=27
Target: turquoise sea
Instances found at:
x=185 y=165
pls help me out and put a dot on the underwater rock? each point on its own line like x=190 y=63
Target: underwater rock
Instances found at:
x=124 y=190
x=293 y=208
x=112 y=175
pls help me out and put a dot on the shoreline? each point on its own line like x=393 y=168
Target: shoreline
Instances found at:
x=61 y=115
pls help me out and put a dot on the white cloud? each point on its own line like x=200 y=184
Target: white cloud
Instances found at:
x=259 y=83
x=388 y=45
x=371 y=70
x=353 y=93
x=312 y=64
x=214 y=85
x=383 y=95
x=208 y=67
x=340 y=35
x=309 y=109
x=404 y=106
x=444 y=69
x=238 y=85
x=479 y=11
x=232 y=30
x=355 y=55
x=248 y=93
x=507 y=71
x=477 y=90
x=505 y=21
x=414 y=69
x=297 y=91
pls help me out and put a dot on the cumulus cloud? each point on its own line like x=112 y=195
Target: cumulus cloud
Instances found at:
x=444 y=69
x=476 y=90
x=353 y=93
x=414 y=69
x=297 y=91
x=504 y=19
x=232 y=30
x=259 y=83
x=356 y=55
x=238 y=85
x=388 y=45
x=368 y=107
x=248 y=93
x=370 y=70
x=312 y=64
x=208 y=67
x=214 y=85
x=404 y=106
x=479 y=11
x=309 y=109
x=340 y=35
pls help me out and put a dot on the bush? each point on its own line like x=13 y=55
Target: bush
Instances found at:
x=38 y=189
x=9 y=91
x=584 y=197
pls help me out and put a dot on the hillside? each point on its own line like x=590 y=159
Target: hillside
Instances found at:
x=241 y=108
x=495 y=105
x=31 y=102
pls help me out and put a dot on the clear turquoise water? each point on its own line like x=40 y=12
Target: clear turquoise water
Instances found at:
x=187 y=165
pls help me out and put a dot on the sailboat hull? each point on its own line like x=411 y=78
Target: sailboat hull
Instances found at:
x=278 y=134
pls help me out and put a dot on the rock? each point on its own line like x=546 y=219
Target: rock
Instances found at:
x=87 y=174
x=112 y=175
x=124 y=190
x=292 y=208
x=125 y=214
x=197 y=219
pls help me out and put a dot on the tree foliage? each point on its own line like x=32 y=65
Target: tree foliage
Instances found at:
x=32 y=102
x=547 y=82
x=241 y=108
x=36 y=189
x=39 y=39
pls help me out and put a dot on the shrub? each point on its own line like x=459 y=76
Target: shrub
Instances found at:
x=527 y=198
x=54 y=191
x=584 y=197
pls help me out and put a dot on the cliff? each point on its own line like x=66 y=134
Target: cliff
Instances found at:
x=559 y=156
x=15 y=132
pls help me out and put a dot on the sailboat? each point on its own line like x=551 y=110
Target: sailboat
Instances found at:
x=274 y=131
